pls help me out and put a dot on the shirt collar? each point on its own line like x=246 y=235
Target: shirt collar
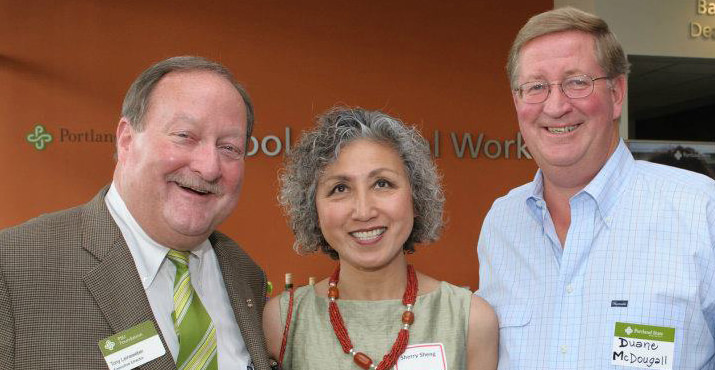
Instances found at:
x=605 y=188
x=148 y=254
x=535 y=199
x=610 y=181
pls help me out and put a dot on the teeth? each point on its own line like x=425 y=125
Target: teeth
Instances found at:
x=561 y=130
x=365 y=235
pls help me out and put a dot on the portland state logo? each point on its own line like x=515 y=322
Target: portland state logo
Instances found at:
x=39 y=138
x=109 y=345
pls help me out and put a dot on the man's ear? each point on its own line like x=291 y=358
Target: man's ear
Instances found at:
x=125 y=135
x=618 y=94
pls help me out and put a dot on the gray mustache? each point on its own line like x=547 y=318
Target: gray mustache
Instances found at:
x=195 y=183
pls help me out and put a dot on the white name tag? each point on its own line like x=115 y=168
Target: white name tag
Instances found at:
x=132 y=348
x=429 y=356
x=643 y=346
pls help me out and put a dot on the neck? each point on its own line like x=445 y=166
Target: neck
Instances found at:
x=385 y=283
x=562 y=183
x=557 y=201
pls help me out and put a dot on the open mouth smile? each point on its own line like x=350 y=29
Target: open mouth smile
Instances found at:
x=562 y=130
x=194 y=190
x=368 y=235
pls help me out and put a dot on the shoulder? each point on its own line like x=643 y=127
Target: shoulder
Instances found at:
x=42 y=235
x=662 y=178
x=455 y=291
x=43 y=226
x=272 y=309
x=483 y=335
x=516 y=194
x=275 y=314
x=513 y=200
x=427 y=284
x=64 y=225
x=461 y=298
x=278 y=305
x=230 y=253
x=507 y=218
x=483 y=322
x=273 y=326
x=482 y=315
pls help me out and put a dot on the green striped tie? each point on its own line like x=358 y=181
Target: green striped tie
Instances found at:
x=193 y=325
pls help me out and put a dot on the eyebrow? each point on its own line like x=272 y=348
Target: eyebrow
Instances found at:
x=568 y=73
x=372 y=173
x=181 y=117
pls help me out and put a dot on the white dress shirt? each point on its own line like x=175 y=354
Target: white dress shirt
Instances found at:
x=157 y=276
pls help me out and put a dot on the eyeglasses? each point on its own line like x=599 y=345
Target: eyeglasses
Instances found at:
x=575 y=87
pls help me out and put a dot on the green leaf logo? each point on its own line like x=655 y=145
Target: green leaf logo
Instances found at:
x=39 y=137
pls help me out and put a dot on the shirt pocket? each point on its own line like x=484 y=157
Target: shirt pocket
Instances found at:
x=513 y=316
x=514 y=320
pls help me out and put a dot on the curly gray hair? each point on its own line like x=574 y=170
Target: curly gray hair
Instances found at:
x=321 y=146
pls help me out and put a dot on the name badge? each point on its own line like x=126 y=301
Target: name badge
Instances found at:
x=643 y=346
x=429 y=356
x=132 y=347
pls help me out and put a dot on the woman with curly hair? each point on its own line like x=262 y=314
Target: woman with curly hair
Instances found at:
x=362 y=188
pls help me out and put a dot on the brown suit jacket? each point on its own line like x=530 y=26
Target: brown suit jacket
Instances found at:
x=68 y=280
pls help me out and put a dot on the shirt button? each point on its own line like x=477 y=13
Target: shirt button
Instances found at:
x=564 y=349
x=569 y=289
x=540 y=203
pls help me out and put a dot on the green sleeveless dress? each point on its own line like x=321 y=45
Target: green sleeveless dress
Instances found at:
x=441 y=317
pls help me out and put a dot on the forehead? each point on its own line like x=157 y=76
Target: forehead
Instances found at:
x=365 y=154
x=201 y=96
x=559 y=54
x=199 y=82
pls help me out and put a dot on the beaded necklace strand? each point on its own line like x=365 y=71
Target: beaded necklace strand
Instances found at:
x=408 y=317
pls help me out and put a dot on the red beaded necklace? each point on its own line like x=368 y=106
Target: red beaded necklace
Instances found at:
x=408 y=317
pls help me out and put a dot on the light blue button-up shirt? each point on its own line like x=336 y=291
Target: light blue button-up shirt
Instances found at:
x=640 y=249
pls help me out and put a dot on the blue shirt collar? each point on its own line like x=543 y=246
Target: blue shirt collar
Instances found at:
x=609 y=183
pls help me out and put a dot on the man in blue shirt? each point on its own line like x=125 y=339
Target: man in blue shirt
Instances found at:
x=601 y=261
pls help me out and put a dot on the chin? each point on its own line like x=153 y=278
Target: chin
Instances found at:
x=374 y=265
x=191 y=228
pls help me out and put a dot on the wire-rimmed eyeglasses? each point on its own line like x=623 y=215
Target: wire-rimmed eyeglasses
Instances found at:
x=574 y=87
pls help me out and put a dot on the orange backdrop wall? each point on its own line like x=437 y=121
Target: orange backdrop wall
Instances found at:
x=65 y=66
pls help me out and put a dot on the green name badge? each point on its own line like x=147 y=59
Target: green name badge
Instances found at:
x=132 y=347
x=643 y=346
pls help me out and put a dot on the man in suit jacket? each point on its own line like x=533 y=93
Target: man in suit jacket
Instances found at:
x=70 y=279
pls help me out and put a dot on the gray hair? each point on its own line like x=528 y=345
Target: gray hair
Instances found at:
x=321 y=146
x=137 y=100
x=608 y=51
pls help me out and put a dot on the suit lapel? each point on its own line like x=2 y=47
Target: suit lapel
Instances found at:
x=114 y=282
x=243 y=300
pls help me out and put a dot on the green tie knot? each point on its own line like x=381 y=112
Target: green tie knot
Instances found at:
x=180 y=259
